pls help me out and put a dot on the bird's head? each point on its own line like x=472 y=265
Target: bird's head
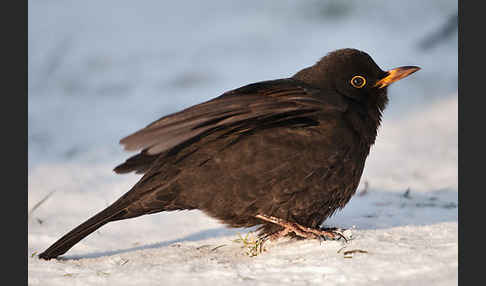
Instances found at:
x=353 y=74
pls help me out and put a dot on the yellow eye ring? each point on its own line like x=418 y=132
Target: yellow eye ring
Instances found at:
x=358 y=81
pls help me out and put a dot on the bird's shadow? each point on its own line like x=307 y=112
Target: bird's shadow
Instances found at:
x=366 y=210
x=198 y=236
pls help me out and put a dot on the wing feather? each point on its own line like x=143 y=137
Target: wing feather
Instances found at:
x=259 y=103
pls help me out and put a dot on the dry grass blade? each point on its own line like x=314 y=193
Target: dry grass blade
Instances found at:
x=253 y=246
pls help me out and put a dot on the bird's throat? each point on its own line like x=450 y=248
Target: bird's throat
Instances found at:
x=366 y=118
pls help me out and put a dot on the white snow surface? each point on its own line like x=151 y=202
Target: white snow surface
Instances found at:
x=100 y=70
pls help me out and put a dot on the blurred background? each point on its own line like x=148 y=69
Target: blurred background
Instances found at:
x=100 y=70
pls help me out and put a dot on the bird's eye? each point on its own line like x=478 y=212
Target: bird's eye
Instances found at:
x=358 y=81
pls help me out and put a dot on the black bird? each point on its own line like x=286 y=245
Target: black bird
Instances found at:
x=282 y=154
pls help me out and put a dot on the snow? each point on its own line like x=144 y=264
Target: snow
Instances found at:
x=99 y=70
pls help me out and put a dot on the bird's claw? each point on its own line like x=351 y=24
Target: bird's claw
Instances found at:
x=302 y=231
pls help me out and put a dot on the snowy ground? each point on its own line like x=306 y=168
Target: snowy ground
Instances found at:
x=99 y=70
x=410 y=237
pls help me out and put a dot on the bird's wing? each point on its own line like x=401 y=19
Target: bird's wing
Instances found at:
x=248 y=107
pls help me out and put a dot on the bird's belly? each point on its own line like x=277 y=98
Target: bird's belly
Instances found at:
x=331 y=190
x=293 y=176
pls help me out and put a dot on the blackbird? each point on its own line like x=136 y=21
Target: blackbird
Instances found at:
x=281 y=154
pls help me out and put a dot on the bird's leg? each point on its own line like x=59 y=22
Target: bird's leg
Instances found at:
x=300 y=230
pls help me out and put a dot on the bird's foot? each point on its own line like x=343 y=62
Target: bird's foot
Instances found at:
x=302 y=231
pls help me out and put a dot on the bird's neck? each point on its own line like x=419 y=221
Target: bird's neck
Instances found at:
x=366 y=119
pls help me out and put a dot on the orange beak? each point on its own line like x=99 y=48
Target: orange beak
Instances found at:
x=395 y=75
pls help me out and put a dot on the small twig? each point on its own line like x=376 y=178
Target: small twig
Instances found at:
x=217 y=247
x=203 y=246
x=354 y=251
x=39 y=204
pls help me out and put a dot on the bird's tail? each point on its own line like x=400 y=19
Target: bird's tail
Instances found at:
x=113 y=212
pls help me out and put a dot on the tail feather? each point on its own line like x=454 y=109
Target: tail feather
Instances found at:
x=74 y=236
